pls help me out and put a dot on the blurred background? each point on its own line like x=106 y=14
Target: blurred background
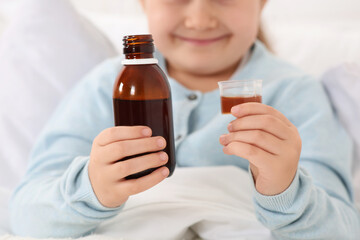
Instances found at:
x=301 y=31
x=47 y=46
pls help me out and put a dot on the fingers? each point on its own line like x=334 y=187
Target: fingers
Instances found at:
x=107 y=174
x=253 y=154
x=126 y=168
x=267 y=123
x=112 y=193
x=258 y=138
x=115 y=134
x=247 y=109
x=135 y=186
x=119 y=150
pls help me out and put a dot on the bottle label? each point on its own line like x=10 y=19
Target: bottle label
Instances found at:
x=140 y=61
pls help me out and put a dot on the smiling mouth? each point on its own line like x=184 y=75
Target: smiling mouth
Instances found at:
x=202 y=42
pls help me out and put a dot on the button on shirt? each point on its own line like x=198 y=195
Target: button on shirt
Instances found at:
x=320 y=191
x=197 y=118
x=192 y=97
x=190 y=123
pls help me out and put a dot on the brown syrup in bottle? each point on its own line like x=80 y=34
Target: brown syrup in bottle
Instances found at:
x=142 y=96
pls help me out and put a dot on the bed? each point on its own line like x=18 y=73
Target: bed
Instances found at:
x=324 y=33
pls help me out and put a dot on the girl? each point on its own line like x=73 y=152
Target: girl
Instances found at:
x=299 y=155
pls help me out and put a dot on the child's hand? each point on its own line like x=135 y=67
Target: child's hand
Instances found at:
x=269 y=141
x=107 y=173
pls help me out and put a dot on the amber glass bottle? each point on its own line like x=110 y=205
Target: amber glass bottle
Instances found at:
x=142 y=95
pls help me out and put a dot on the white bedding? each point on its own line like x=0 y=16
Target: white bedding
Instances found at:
x=4 y=199
x=93 y=237
x=211 y=203
x=190 y=194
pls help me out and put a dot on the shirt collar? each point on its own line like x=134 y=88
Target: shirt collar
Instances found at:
x=242 y=72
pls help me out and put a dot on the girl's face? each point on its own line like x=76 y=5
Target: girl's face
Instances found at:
x=203 y=37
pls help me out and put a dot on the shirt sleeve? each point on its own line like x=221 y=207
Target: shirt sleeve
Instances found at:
x=56 y=198
x=319 y=202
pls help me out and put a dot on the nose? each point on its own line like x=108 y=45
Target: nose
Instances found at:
x=200 y=16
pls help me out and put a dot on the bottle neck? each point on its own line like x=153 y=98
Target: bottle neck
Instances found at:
x=139 y=59
x=138 y=55
x=139 y=49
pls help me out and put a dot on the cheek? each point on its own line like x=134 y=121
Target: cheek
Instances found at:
x=162 y=40
x=246 y=27
x=161 y=30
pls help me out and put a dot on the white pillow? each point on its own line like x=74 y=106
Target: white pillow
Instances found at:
x=4 y=211
x=315 y=46
x=314 y=35
x=343 y=86
x=111 y=7
x=310 y=10
x=2 y=25
x=45 y=50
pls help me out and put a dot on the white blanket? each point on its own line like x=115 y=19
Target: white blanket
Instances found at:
x=206 y=203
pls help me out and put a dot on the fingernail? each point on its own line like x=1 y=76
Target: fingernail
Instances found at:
x=163 y=156
x=223 y=139
x=235 y=109
x=165 y=172
x=161 y=142
x=146 y=132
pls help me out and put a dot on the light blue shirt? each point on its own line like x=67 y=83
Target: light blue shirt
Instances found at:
x=56 y=198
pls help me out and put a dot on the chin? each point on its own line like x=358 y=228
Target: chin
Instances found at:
x=203 y=68
x=209 y=63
